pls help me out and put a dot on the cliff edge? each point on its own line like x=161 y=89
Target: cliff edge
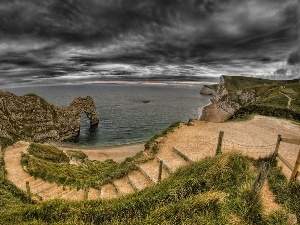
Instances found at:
x=236 y=96
x=31 y=118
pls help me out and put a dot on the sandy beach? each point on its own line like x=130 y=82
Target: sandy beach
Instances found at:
x=117 y=153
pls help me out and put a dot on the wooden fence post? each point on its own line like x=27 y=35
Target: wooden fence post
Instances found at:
x=160 y=171
x=86 y=192
x=4 y=173
x=28 y=190
x=261 y=177
x=296 y=167
x=219 y=146
x=277 y=147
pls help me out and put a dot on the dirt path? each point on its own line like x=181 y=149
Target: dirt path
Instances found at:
x=256 y=137
x=39 y=188
x=289 y=100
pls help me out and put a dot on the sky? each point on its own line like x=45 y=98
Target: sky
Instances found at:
x=57 y=41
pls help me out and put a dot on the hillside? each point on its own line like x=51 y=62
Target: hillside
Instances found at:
x=32 y=118
x=238 y=96
x=216 y=190
x=196 y=189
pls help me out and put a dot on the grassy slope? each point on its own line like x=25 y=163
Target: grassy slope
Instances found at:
x=213 y=191
x=51 y=164
x=270 y=96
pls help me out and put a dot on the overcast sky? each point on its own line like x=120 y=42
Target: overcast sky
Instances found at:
x=42 y=40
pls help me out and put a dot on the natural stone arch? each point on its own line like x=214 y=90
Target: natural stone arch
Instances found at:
x=32 y=118
x=85 y=105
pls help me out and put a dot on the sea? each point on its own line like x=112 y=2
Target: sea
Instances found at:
x=129 y=112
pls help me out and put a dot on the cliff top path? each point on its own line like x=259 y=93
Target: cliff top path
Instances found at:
x=256 y=137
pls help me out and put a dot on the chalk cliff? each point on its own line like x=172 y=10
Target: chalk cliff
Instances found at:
x=226 y=102
x=238 y=96
x=30 y=117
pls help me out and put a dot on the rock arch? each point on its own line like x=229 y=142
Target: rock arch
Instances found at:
x=85 y=105
x=31 y=118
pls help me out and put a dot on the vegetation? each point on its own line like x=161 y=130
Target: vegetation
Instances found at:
x=77 y=155
x=287 y=194
x=48 y=152
x=280 y=98
x=216 y=190
x=51 y=164
x=247 y=111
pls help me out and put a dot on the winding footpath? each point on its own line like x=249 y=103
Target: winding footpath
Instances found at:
x=256 y=137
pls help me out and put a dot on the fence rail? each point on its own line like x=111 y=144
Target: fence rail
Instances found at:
x=294 y=169
x=285 y=162
x=291 y=141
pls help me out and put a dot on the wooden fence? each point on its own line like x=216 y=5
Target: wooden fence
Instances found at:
x=295 y=168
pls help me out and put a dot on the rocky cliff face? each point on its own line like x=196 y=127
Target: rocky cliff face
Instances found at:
x=226 y=102
x=30 y=117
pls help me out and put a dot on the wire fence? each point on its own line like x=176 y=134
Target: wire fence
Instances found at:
x=249 y=150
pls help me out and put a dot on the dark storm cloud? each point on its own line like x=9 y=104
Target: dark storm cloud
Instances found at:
x=42 y=36
x=206 y=22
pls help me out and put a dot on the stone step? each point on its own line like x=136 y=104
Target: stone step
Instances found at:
x=59 y=192
x=48 y=193
x=123 y=186
x=37 y=189
x=79 y=195
x=138 y=180
x=94 y=194
x=182 y=154
x=150 y=170
x=35 y=183
x=69 y=194
x=108 y=191
x=22 y=183
x=171 y=161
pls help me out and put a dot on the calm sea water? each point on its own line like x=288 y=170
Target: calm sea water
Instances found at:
x=124 y=117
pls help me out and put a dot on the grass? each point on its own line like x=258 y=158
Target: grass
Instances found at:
x=48 y=152
x=267 y=97
x=77 y=155
x=216 y=190
x=51 y=164
x=284 y=190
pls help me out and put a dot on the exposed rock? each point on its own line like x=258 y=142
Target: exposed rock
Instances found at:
x=208 y=90
x=30 y=117
x=225 y=104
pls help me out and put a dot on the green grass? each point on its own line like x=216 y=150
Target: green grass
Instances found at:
x=268 y=97
x=216 y=190
x=77 y=155
x=287 y=194
x=48 y=152
x=51 y=164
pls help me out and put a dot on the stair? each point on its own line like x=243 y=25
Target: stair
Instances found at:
x=172 y=161
x=123 y=186
x=146 y=176
x=108 y=191
x=94 y=194
x=150 y=170
x=138 y=180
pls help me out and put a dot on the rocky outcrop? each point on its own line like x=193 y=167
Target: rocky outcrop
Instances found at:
x=30 y=117
x=208 y=90
x=226 y=102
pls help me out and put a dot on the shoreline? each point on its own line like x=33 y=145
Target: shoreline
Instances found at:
x=210 y=113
